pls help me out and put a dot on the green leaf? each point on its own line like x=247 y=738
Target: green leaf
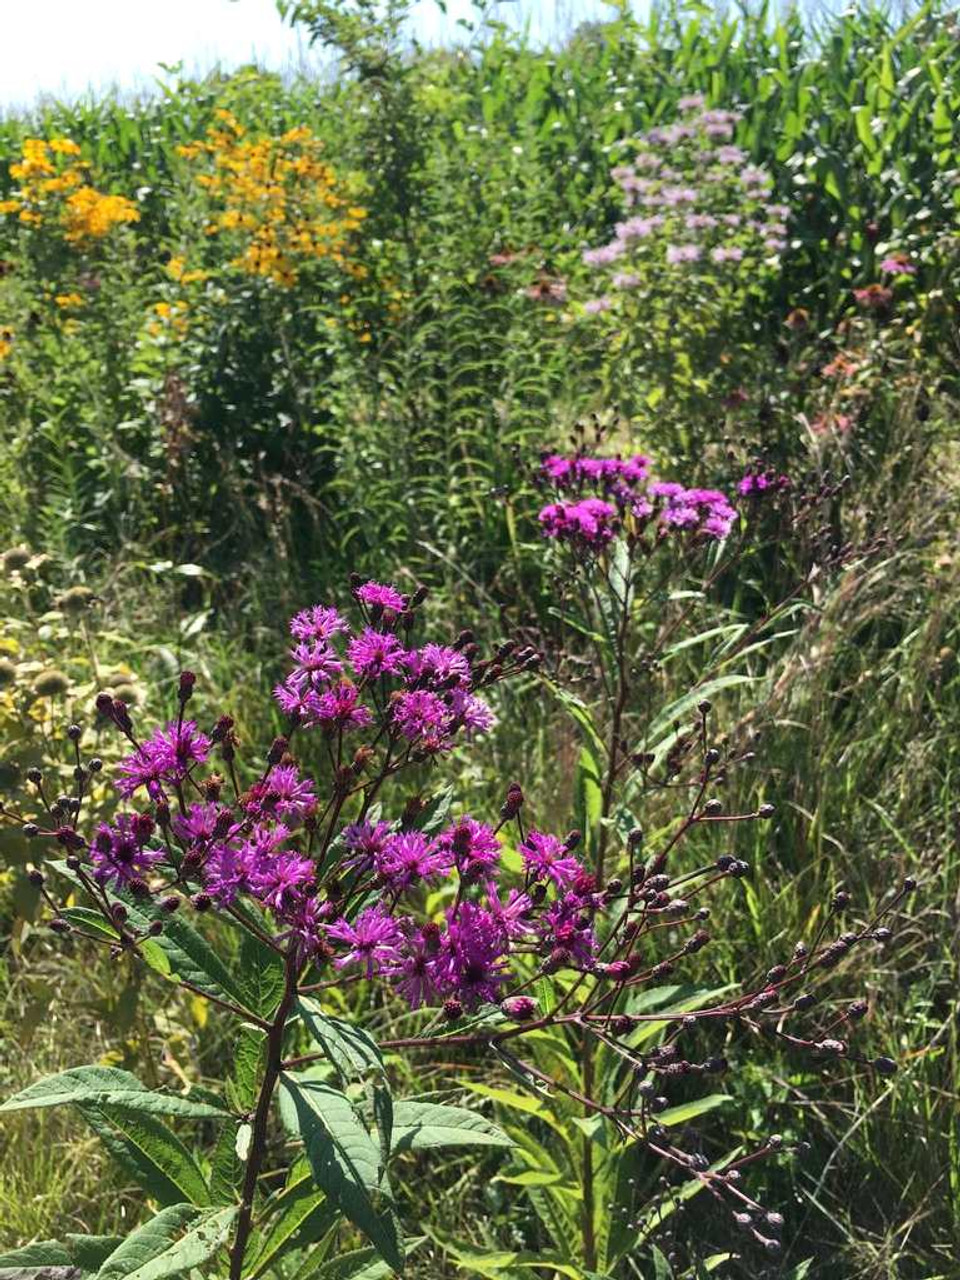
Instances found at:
x=44 y=1260
x=226 y=1167
x=361 y=1264
x=690 y=1110
x=104 y=1087
x=344 y=1158
x=177 y=1239
x=348 y=1048
x=150 y=1153
x=421 y=1126
x=180 y=953
x=90 y=921
x=90 y=1252
x=261 y=975
x=299 y=1210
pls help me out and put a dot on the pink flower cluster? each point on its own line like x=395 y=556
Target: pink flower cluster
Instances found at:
x=589 y=523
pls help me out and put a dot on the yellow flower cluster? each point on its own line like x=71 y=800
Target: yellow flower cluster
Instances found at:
x=6 y=342
x=54 y=189
x=275 y=199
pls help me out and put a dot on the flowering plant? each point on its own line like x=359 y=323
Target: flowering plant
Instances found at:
x=486 y=931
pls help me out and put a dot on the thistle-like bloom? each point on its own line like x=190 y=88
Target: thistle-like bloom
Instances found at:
x=417 y=975
x=365 y=841
x=166 y=756
x=225 y=873
x=407 y=858
x=472 y=847
x=589 y=523
x=283 y=794
x=439 y=667
x=423 y=717
x=118 y=853
x=315 y=665
x=546 y=857
x=339 y=708
x=381 y=595
x=472 y=713
x=283 y=879
x=472 y=959
x=321 y=622
x=376 y=653
x=373 y=940
x=567 y=923
x=694 y=510
x=898 y=264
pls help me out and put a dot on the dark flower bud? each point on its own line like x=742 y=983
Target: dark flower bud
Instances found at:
x=222 y=728
x=772 y=1246
x=277 y=750
x=35 y=776
x=715 y=1066
x=774 y=1221
x=139 y=888
x=170 y=903
x=725 y=862
x=418 y=597
x=909 y=884
x=857 y=1010
x=840 y=900
x=740 y=869
x=72 y=862
x=775 y=1142
x=95 y=765
x=452 y=1009
x=711 y=757
x=572 y=840
x=835 y=1048
x=121 y=716
x=884 y=1066
x=621 y=1024
x=743 y=1220
x=800 y=951
x=697 y=942
x=616 y=969
x=647 y=1088
x=703 y=914
x=882 y=934
x=776 y=973
x=156 y=928
x=537 y=893
x=513 y=803
x=143 y=827
x=677 y=906
x=104 y=704
x=74 y=732
x=519 y=1008
x=464 y=638
x=430 y=933
x=766 y=811
x=804 y=1002
x=59 y=926
x=558 y=959
x=658 y=883
x=584 y=884
x=202 y=901
x=35 y=877
x=713 y=807
x=614 y=887
x=69 y=838
x=30 y=829
x=119 y=912
x=185 y=688
x=704 y=707
x=635 y=839
x=663 y=970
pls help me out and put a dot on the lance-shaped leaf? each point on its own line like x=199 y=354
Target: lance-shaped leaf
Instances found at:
x=420 y=1126
x=44 y=1260
x=349 y=1049
x=299 y=1215
x=107 y=1087
x=178 y=1238
x=344 y=1159
x=150 y=1153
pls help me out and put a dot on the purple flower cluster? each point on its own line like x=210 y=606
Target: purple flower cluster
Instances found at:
x=429 y=691
x=699 y=201
x=589 y=523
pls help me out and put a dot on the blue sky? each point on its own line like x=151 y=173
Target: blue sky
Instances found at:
x=64 y=47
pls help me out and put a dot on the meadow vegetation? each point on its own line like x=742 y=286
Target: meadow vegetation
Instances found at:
x=632 y=364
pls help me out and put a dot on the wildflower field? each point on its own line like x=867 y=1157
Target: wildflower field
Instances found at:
x=478 y=661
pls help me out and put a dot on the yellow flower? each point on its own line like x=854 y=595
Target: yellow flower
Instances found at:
x=64 y=147
x=9 y=206
x=69 y=301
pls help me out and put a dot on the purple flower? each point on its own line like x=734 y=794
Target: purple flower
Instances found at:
x=471 y=713
x=376 y=653
x=567 y=923
x=166 y=756
x=204 y=822
x=439 y=667
x=373 y=940
x=590 y=523
x=548 y=858
x=339 y=708
x=407 y=858
x=898 y=264
x=677 y=253
x=317 y=623
x=471 y=846
x=512 y=915
x=225 y=873
x=721 y=254
x=118 y=854
x=696 y=510
x=315 y=665
x=594 y=306
x=283 y=879
x=379 y=595
x=417 y=974
x=365 y=842
x=423 y=717
x=282 y=793
x=472 y=956
x=306 y=920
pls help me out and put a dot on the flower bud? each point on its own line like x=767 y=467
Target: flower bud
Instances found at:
x=74 y=732
x=713 y=807
x=35 y=877
x=519 y=1008
x=277 y=749
x=35 y=776
x=514 y=801
x=95 y=765
x=59 y=926
x=884 y=1066
x=452 y=1009
x=156 y=928
x=202 y=901
x=30 y=829
x=766 y=811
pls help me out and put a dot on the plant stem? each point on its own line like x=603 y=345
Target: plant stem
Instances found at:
x=258 y=1140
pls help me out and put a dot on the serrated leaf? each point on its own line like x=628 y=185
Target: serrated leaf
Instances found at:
x=44 y=1260
x=261 y=975
x=150 y=1153
x=421 y=1126
x=299 y=1207
x=361 y=1264
x=92 y=921
x=226 y=1168
x=344 y=1159
x=348 y=1048
x=177 y=1239
x=180 y=953
x=104 y=1087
